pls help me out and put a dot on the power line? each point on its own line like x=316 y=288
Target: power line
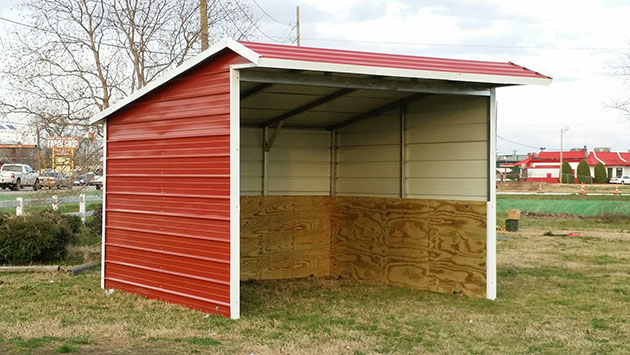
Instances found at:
x=271 y=17
x=517 y=143
x=251 y=21
x=468 y=45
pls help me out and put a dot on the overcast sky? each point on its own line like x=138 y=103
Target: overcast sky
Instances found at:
x=576 y=42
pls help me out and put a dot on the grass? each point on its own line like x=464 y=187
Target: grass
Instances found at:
x=556 y=295
x=579 y=206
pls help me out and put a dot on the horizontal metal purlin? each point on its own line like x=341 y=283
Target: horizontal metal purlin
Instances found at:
x=366 y=83
x=307 y=107
x=254 y=90
x=377 y=111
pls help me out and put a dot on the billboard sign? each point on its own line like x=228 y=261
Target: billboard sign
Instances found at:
x=62 y=142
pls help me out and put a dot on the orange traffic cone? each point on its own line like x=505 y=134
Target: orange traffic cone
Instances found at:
x=540 y=188
x=617 y=190
x=582 y=188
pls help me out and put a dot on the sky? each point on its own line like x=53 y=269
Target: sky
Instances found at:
x=578 y=43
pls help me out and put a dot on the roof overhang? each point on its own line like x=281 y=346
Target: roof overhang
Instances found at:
x=273 y=70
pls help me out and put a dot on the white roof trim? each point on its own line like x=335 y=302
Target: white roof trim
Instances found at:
x=189 y=64
x=597 y=158
x=620 y=157
x=396 y=72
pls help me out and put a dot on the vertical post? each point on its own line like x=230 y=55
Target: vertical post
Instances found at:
x=82 y=207
x=265 y=165
x=333 y=162
x=561 y=136
x=19 y=209
x=104 y=204
x=403 y=144
x=297 y=24
x=235 y=195
x=55 y=203
x=491 y=216
x=203 y=17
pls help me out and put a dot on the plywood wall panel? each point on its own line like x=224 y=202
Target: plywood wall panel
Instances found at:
x=425 y=244
x=285 y=237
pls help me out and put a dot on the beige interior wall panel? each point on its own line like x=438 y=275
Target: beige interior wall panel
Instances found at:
x=299 y=163
x=368 y=156
x=447 y=148
x=251 y=161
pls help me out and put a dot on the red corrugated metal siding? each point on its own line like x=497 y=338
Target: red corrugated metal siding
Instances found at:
x=390 y=60
x=168 y=191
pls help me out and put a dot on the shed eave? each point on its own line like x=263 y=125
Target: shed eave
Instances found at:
x=499 y=80
x=225 y=43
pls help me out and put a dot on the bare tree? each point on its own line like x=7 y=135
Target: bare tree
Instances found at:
x=622 y=72
x=73 y=58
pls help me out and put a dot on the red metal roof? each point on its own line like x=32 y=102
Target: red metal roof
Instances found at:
x=575 y=155
x=608 y=158
x=397 y=61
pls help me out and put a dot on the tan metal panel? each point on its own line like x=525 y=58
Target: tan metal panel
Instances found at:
x=251 y=161
x=447 y=110
x=459 y=133
x=447 y=169
x=382 y=153
x=447 y=187
x=368 y=186
x=299 y=169
x=298 y=186
x=373 y=169
x=447 y=151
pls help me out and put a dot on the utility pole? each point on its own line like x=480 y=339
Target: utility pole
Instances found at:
x=297 y=24
x=562 y=132
x=203 y=9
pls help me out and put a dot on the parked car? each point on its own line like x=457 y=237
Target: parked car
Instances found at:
x=55 y=180
x=620 y=180
x=86 y=179
x=98 y=182
x=16 y=176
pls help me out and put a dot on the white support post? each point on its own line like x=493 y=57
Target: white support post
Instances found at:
x=235 y=195
x=104 y=205
x=55 y=203
x=265 y=163
x=403 y=145
x=333 y=162
x=19 y=209
x=491 y=216
x=82 y=207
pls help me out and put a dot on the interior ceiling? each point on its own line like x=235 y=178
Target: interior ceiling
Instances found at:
x=265 y=104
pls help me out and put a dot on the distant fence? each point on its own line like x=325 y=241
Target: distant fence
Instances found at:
x=54 y=201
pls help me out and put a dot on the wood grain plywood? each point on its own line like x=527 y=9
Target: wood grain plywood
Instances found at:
x=285 y=237
x=434 y=245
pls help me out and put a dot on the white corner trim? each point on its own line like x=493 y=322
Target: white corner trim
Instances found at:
x=104 y=190
x=491 y=215
x=403 y=73
x=235 y=196
x=187 y=65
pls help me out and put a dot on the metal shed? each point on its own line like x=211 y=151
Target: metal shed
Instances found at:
x=259 y=161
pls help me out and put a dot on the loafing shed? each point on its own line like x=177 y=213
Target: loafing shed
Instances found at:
x=259 y=161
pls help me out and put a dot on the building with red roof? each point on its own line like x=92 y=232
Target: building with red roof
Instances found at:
x=545 y=166
x=617 y=164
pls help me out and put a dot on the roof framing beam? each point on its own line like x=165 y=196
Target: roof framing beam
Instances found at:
x=379 y=110
x=255 y=90
x=327 y=79
x=306 y=107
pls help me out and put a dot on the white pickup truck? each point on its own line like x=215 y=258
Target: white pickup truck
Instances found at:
x=16 y=176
